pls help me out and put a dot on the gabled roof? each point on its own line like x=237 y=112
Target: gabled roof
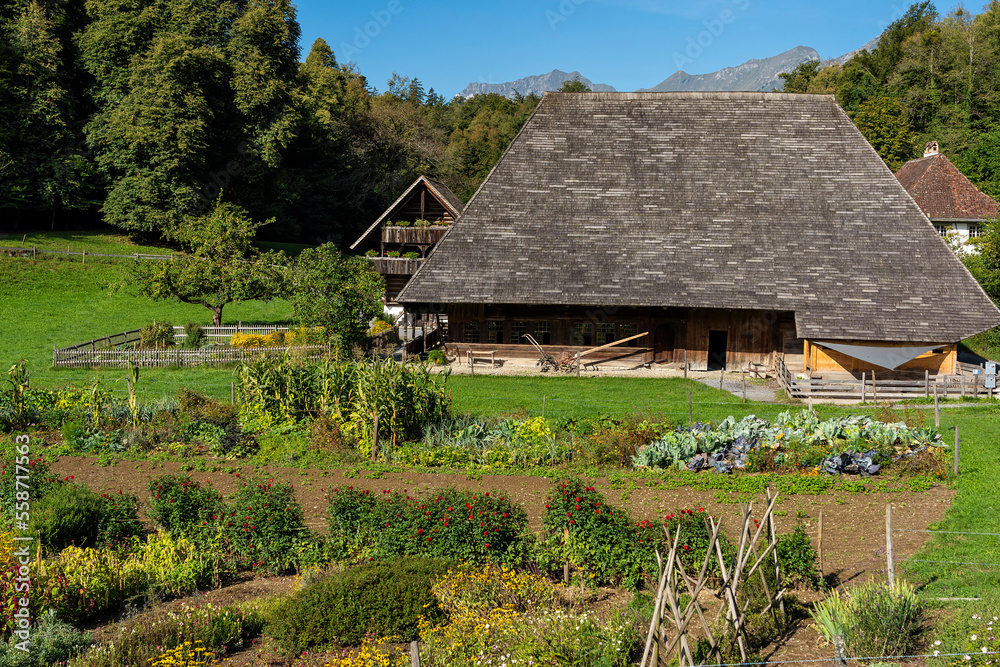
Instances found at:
x=726 y=200
x=943 y=192
x=441 y=192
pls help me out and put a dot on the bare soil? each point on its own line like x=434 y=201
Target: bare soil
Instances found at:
x=853 y=540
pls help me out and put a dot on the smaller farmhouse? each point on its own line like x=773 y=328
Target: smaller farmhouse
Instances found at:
x=403 y=235
x=945 y=195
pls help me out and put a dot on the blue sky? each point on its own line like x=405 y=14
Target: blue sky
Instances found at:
x=628 y=44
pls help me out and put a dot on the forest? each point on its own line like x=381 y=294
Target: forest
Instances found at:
x=142 y=115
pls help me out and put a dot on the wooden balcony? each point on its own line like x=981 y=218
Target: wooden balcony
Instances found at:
x=413 y=235
x=395 y=266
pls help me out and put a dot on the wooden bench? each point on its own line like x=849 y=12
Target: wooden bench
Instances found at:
x=482 y=356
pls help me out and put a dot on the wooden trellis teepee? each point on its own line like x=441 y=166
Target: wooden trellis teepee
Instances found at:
x=668 y=630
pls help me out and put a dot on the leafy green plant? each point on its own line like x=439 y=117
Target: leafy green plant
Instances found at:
x=392 y=253
x=453 y=524
x=194 y=335
x=872 y=618
x=181 y=506
x=53 y=642
x=596 y=538
x=264 y=525
x=70 y=514
x=387 y=598
x=797 y=559
x=119 y=522
x=411 y=255
x=158 y=335
x=437 y=357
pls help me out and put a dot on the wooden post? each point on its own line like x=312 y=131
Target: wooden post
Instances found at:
x=937 y=408
x=579 y=362
x=685 y=362
x=232 y=393
x=819 y=543
x=722 y=374
x=864 y=379
x=414 y=655
x=975 y=386
x=963 y=384
x=23 y=238
x=889 y=562
x=874 y=389
x=375 y=437
x=810 y=400
x=956 y=450
x=743 y=381
x=84 y=256
x=566 y=564
x=927 y=384
x=543 y=407
x=690 y=411
x=472 y=363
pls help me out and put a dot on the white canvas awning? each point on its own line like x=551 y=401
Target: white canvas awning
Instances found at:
x=886 y=357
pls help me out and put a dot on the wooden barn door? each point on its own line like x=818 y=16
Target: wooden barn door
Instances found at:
x=663 y=344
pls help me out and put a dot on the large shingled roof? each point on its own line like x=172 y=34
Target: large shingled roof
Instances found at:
x=706 y=200
x=943 y=192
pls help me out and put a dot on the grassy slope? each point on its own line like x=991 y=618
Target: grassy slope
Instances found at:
x=55 y=302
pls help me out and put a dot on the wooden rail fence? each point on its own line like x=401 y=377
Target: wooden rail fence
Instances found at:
x=965 y=383
x=111 y=351
x=175 y=356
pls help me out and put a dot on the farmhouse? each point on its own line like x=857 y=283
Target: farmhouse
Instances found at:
x=948 y=198
x=727 y=227
x=403 y=235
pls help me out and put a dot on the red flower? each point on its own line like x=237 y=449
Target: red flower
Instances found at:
x=573 y=521
x=420 y=531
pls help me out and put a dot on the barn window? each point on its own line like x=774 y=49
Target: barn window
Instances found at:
x=605 y=333
x=543 y=333
x=941 y=229
x=517 y=331
x=583 y=333
x=471 y=332
x=975 y=231
x=626 y=330
x=494 y=332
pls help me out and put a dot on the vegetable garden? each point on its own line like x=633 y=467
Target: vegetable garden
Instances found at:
x=488 y=573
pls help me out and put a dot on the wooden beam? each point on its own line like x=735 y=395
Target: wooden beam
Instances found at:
x=617 y=342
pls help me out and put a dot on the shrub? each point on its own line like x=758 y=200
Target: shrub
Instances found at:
x=437 y=357
x=119 y=521
x=386 y=598
x=68 y=515
x=603 y=542
x=264 y=525
x=798 y=559
x=275 y=339
x=40 y=480
x=182 y=627
x=461 y=525
x=52 y=642
x=194 y=335
x=158 y=335
x=379 y=327
x=246 y=341
x=181 y=506
x=516 y=615
x=411 y=255
x=873 y=619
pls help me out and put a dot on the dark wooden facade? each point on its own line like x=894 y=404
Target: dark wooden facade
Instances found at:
x=396 y=233
x=706 y=338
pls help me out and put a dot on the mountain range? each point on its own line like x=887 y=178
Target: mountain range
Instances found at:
x=753 y=75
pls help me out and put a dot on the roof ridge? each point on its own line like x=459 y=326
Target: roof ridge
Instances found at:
x=699 y=95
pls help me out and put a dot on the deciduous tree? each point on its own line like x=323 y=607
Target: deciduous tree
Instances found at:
x=221 y=265
x=339 y=293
